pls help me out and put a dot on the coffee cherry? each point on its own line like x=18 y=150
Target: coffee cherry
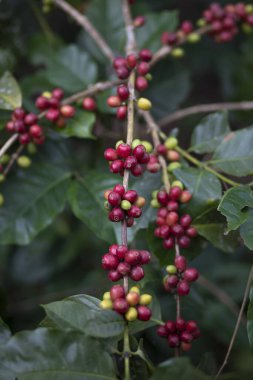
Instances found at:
x=145 y=55
x=131 y=196
x=185 y=346
x=130 y=222
x=123 y=92
x=175 y=193
x=140 y=202
x=134 y=212
x=171 y=269
x=67 y=111
x=162 y=197
x=145 y=257
x=144 y=313
x=173 y=166
x=52 y=114
x=114 y=198
x=24 y=161
x=139 y=151
x=183 y=288
x=177 y=230
x=143 y=68
x=133 y=257
x=184 y=241
x=19 y=126
x=172 y=281
x=131 y=61
x=145 y=299
x=113 y=101
x=116 y=215
x=144 y=104
x=172 y=218
x=109 y=262
x=106 y=296
x=148 y=146
x=180 y=324
x=35 y=131
x=117 y=291
x=10 y=127
x=117 y=166
x=119 y=62
x=173 y=155
x=133 y=298
x=141 y=83
x=106 y=305
x=110 y=154
x=24 y=139
x=123 y=268
x=191 y=326
x=144 y=159
x=192 y=232
x=173 y=340
x=172 y=206
x=191 y=274
x=164 y=231
x=120 y=305
x=124 y=150
x=122 y=72
x=170 y=326
x=89 y=104
x=162 y=331
x=42 y=103
x=131 y=315
x=19 y=113
x=187 y=27
x=125 y=205
x=135 y=289
x=185 y=196
x=58 y=93
x=119 y=189
x=171 y=143
x=180 y=263
x=169 y=243
x=121 y=113
x=130 y=162
x=139 y=21
x=114 y=275
x=137 y=273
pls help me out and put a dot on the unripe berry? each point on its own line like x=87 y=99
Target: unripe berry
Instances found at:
x=191 y=274
x=148 y=146
x=24 y=162
x=123 y=92
x=120 y=305
x=106 y=304
x=113 y=101
x=180 y=263
x=144 y=104
x=185 y=196
x=144 y=313
x=106 y=296
x=171 y=142
x=173 y=155
x=2 y=178
x=193 y=38
x=177 y=184
x=117 y=291
x=89 y=104
x=145 y=299
x=67 y=111
x=133 y=298
x=125 y=205
x=154 y=203
x=137 y=273
x=173 y=166
x=140 y=202
x=135 y=143
x=171 y=269
x=1 y=200
x=131 y=315
x=135 y=289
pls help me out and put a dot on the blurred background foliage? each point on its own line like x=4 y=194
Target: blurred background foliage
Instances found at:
x=64 y=259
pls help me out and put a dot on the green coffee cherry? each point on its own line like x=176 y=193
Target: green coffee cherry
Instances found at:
x=1 y=199
x=249 y=8
x=177 y=184
x=148 y=77
x=171 y=269
x=125 y=205
x=135 y=143
x=171 y=142
x=177 y=52
x=201 y=22
x=2 y=178
x=154 y=193
x=173 y=166
x=5 y=159
x=247 y=29
x=24 y=162
x=154 y=203
x=31 y=148
x=106 y=205
x=193 y=38
x=118 y=143
x=148 y=146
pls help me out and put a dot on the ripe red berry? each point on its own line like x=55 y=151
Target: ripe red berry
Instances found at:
x=10 y=126
x=122 y=72
x=130 y=162
x=117 y=166
x=185 y=220
x=19 y=126
x=53 y=102
x=89 y=104
x=169 y=38
x=113 y=101
x=175 y=193
x=192 y=232
x=139 y=151
x=172 y=218
x=180 y=324
x=161 y=150
x=137 y=170
x=162 y=212
x=145 y=257
x=124 y=268
x=184 y=241
x=131 y=196
x=172 y=281
x=172 y=206
x=39 y=140
x=114 y=198
x=19 y=114
x=110 y=154
x=191 y=326
x=143 y=68
x=141 y=83
x=117 y=291
x=169 y=243
x=170 y=326
x=35 y=131
x=119 y=62
x=130 y=221
x=137 y=273
x=110 y=262
x=173 y=340
x=133 y=257
x=185 y=346
x=185 y=196
x=58 y=93
x=67 y=111
x=164 y=231
x=187 y=27
x=121 y=251
x=139 y=21
x=116 y=215
x=177 y=230
x=119 y=189
x=114 y=275
x=186 y=337
x=134 y=212
x=162 y=197
x=52 y=114
x=183 y=288
x=123 y=92
x=144 y=313
x=24 y=138
x=162 y=331
x=144 y=159
x=124 y=150
x=145 y=55
x=121 y=113
x=31 y=119
x=131 y=61
x=42 y=103
x=180 y=263
x=113 y=249
x=191 y=274
x=120 y=305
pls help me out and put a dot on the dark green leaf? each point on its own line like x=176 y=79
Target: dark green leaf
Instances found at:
x=204 y=187
x=246 y=230
x=210 y=132
x=10 y=95
x=178 y=369
x=86 y=200
x=83 y=313
x=80 y=125
x=250 y=320
x=148 y=36
x=235 y=154
x=45 y=354
x=233 y=206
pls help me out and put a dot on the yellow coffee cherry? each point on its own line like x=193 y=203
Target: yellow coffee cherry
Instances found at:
x=144 y=104
x=131 y=314
x=171 y=269
x=118 y=143
x=24 y=162
x=135 y=289
x=132 y=298
x=140 y=202
x=145 y=299
x=249 y=8
x=47 y=94
x=171 y=142
x=201 y=22
x=177 y=184
x=193 y=38
x=154 y=203
x=135 y=143
x=106 y=296
x=2 y=178
x=154 y=193
x=1 y=199
x=177 y=52
x=106 y=304
x=148 y=146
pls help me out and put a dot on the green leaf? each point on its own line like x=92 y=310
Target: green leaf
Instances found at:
x=71 y=68
x=212 y=227
x=246 y=230
x=233 y=206
x=204 y=187
x=10 y=95
x=32 y=200
x=83 y=313
x=148 y=36
x=235 y=154
x=80 y=125
x=5 y=333
x=86 y=200
x=250 y=320
x=210 y=132
x=45 y=354
x=178 y=369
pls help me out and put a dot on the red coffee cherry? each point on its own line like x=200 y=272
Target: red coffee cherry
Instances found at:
x=175 y=193
x=121 y=251
x=162 y=331
x=130 y=162
x=52 y=114
x=185 y=196
x=187 y=27
x=169 y=243
x=139 y=21
x=121 y=113
x=35 y=131
x=119 y=189
x=109 y=261
x=131 y=61
x=67 y=111
x=58 y=93
x=145 y=55
x=117 y=291
x=180 y=263
x=137 y=273
x=180 y=324
x=10 y=126
x=183 y=288
x=116 y=215
x=120 y=305
x=122 y=72
x=139 y=151
x=144 y=313
x=185 y=220
x=173 y=340
x=114 y=198
x=123 y=92
x=124 y=268
x=119 y=62
x=124 y=150
x=133 y=257
x=192 y=232
x=89 y=104
x=172 y=218
x=42 y=103
x=117 y=166
x=162 y=197
x=141 y=83
x=131 y=196
x=184 y=241
x=191 y=274
x=143 y=68
x=24 y=138
x=172 y=206
x=137 y=170
x=114 y=275
x=191 y=326
x=145 y=257
x=110 y=154
x=19 y=126
x=113 y=101
x=134 y=212
x=19 y=114
x=31 y=119
x=186 y=337
x=170 y=326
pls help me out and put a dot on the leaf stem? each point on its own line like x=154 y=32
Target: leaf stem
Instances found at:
x=204 y=166
x=126 y=354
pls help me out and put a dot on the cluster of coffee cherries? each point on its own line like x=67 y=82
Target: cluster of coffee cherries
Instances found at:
x=120 y=262
x=25 y=124
x=171 y=227
x=223 y=21
x=123 y=205
x=133 y=158
x=179 y=277
x=180 y=333
x=132 y=305
x=55 y=111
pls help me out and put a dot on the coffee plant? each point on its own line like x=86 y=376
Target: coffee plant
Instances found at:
x=164 y=204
